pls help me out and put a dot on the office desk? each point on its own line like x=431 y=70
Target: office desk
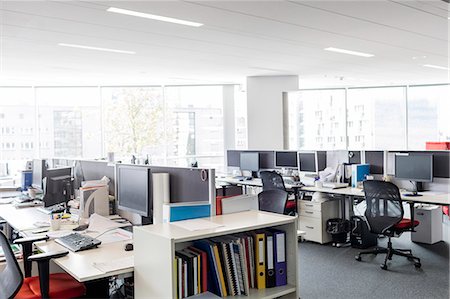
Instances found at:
x=428 y=197
x=23 y=218
x=78 y=264
x=257 y=182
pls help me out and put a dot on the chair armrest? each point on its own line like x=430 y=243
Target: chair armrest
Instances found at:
x=30 y=240
x=43 y=261
x=47 y=256
x=27 y=249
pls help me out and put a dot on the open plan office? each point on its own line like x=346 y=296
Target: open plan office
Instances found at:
x=211 y=149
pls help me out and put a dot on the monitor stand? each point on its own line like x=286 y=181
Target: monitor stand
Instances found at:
x=417 y=187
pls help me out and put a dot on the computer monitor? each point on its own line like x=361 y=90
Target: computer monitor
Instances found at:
x=249 y=161
x=415 y=167
x=58 y=186
x=308 y=162
x=39 y=173
x=134 y=189
x=286 y=159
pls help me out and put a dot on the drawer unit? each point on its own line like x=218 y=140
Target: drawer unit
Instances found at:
x=310 y=206
x=313 y=218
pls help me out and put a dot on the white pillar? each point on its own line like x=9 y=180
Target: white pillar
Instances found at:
x=265 y=110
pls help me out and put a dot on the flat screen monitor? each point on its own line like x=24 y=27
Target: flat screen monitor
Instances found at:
x=414 y=167
x=134 y=189
x=249 y=161
x=39 y=173
x=58 y=186
x=286 y=159
x=307 y=162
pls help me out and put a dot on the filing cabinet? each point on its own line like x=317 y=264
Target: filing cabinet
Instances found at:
x=313 y=217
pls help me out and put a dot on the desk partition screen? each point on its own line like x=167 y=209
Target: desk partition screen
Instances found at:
x=189 y=184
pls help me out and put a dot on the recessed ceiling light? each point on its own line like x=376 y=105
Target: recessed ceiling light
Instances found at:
x=436 y=67
x=96 y=48
x=349 y=52
x=153 y=17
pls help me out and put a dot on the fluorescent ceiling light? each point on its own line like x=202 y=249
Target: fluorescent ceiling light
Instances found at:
x=436 y=67
x=348 y=52
x=96 y=48
x=153 y=17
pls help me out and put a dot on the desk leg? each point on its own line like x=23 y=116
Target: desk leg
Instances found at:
x=97 y=288
x=411 y=211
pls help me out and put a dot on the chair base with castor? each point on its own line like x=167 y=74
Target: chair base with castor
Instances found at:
x=384 y=215
x=390 y=252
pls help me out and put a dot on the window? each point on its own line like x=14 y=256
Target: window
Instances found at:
x=194 y=125
x=376 y=118
x=428 y=114
x=134 y=122
x=316 y=119
x=18 y=113
x=70 y=121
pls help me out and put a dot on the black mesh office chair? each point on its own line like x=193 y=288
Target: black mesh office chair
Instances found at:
x=272 y=180
x=384 y=213
x=273 y=201
x=46 y=285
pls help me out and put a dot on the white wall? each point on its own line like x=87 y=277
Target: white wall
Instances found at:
x=265 y=110
x=229 y=128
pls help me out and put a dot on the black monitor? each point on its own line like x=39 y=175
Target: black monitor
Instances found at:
x=39 y=173
x=134 y=189
x=58 y=186
x=249 y=162
x=286 y=159
x=307 y=162
x=415 y=167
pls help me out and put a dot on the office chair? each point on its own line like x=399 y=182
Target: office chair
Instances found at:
x=272 y=180
x=273 y=201
x=14 y=285
x=384 y=214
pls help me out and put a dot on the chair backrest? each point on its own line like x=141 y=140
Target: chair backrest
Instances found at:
x=273 y=201
x=384 y=205
x=11 y=278
x=272 y=180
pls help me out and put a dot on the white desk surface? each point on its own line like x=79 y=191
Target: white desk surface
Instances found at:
x=255 y=182
x=23 y=218
x=80 y=264
x=229 y=224
x=77 y=264
x=440 y=198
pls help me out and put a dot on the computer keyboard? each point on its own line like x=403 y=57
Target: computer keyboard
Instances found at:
x=51 y=210
x=77 y=242
x=243 y=178
x=292 y=182
x=334 y=185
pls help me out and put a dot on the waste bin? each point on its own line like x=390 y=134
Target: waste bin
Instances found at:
x=338 y=228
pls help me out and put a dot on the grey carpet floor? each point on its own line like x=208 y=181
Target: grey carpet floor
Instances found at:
x=330 y=272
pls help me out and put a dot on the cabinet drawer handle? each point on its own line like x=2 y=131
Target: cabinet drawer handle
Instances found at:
x=309 y=212
x=310 y=227
x=309 y=206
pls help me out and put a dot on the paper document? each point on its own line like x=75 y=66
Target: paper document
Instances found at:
x=116 y=236
x=196 y=224
x=100 y=224
x=6 y=200
x=115 y=265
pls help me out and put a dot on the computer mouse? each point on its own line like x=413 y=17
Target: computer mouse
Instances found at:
x=128 y=247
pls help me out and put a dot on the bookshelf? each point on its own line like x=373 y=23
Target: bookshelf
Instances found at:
x=155 y=245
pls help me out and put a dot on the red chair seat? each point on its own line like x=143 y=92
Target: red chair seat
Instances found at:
x=405 y=223
x=291 y=205
x=62 y=285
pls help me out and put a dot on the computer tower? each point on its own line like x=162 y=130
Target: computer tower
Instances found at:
x=360 y=235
